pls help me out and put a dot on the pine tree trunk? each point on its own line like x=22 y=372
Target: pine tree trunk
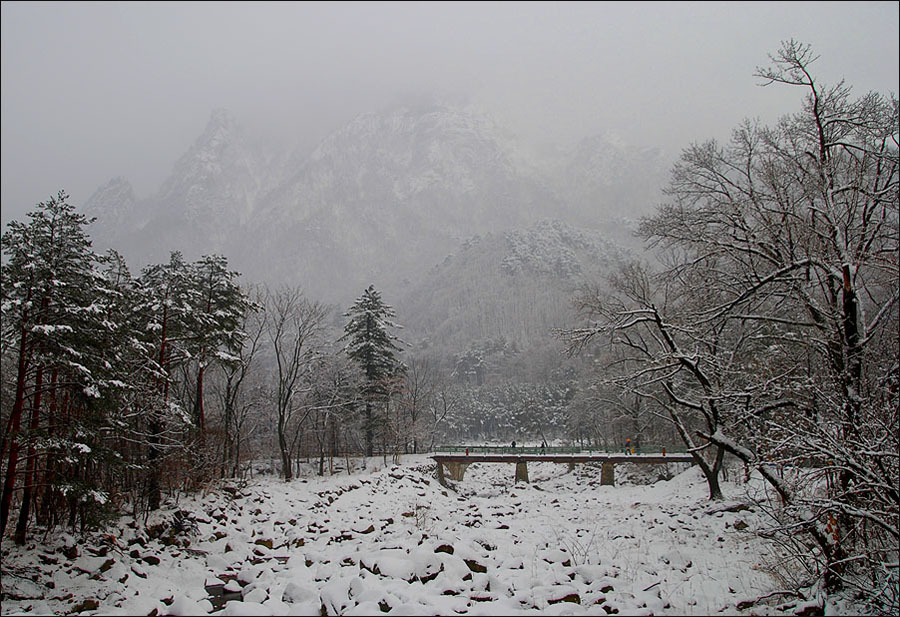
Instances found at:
x=47 y=495
x=154 y=493
x=369 y=431
x=228 y=414
x=198 y=403
x=25 y=510
x=15 y=421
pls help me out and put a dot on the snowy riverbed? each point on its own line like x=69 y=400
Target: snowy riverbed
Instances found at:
x=390 y=539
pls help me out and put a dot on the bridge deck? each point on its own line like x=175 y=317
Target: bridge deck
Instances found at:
x=563 y=458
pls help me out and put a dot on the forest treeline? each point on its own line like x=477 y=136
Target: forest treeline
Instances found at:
x=120 y=390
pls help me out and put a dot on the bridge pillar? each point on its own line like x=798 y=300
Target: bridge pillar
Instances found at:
x=571 y=467
x=457 y=470
x=608 y=474
x=521 y=472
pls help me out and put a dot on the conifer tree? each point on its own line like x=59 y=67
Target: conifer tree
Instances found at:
x=51 y=312
x=168 y=296
x=219 y=309
x=372 y=347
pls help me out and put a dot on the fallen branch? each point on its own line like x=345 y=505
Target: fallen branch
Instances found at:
x=745 y=604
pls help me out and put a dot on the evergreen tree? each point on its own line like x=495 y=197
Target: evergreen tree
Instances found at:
x=219 y=309
x=168 y=296
x=128 y=378
x=371 y=346
x=53 y=314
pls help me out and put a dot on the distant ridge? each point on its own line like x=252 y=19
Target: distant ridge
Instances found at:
x=379 y=201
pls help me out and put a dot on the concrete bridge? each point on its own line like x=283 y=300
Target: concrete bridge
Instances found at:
x=456 y=464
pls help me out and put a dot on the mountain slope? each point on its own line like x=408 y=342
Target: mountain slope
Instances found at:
x=377 y=202
x=202 y=207
x=515 y=286
x=392 y=192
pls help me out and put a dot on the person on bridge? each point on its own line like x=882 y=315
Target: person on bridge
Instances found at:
x=543 y=446
x=514 y=443
x=628 y=445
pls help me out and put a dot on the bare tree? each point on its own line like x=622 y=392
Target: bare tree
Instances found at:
x=237 y=396
x=292 y=323
x=778 y=299
x=659 y=357
x=443 y=404
x=332 y=395
x=416 y=396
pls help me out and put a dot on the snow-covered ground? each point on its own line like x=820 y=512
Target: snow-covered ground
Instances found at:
x=390 y=539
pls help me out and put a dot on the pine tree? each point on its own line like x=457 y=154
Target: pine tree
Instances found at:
x=128 y=378
x=51 y=312
x=219 y=309
x=168 y=296
x=372 y=347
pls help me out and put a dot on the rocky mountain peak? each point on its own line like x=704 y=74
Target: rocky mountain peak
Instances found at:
x=417 y=138
x=221 y=144
x=222 y=132
x=117 y=194
x=219 y=177
x=113 y=205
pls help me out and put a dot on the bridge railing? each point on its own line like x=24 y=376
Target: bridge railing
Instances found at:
x=644 y=449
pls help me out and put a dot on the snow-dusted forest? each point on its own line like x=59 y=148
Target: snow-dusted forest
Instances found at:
x=182 y=438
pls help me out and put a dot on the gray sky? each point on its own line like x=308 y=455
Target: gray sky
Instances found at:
x=95 y=90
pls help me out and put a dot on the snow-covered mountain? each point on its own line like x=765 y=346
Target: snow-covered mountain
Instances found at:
x=208 y=198
x=394 y=192
x=516 y=285
x=608 y=183
x=215 y=187
x=115 y=208
x=379 y=201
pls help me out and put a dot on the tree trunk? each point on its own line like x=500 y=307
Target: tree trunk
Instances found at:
x=25 y=510
x=369 y=432
x=227 y=420
x=286 y=463
x=198 y=403
x=154 y=491
x=712 y=479
x=853 y=369
x=711 y=472
x=15 y=421
x=45 y=515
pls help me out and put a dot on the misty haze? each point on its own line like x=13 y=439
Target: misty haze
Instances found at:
x=450 y=308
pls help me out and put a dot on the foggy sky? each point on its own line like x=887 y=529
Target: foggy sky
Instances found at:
x=93 y=91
